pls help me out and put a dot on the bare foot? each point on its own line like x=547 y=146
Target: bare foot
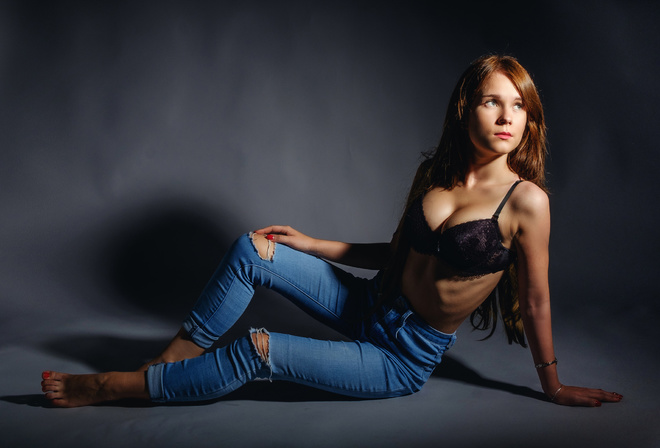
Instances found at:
x=180 y=348
x=68 y=391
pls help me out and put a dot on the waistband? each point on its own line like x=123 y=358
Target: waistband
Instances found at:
x=403 y=306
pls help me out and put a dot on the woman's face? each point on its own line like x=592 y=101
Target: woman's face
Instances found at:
x=498 y=119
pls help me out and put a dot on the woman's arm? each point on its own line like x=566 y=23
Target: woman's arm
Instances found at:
x=366 y=256
x=532 y=238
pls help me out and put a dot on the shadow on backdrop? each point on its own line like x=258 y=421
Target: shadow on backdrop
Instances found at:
x=160 y=258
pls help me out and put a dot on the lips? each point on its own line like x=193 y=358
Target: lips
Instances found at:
x=504 y=135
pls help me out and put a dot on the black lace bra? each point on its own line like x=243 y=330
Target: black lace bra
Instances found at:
x=471 y=248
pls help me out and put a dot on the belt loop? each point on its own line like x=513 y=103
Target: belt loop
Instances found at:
x=403 y=320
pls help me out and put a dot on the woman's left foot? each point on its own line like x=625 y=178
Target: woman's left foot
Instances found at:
x=68 y=391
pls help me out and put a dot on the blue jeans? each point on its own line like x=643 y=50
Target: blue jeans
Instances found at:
x=392 y=350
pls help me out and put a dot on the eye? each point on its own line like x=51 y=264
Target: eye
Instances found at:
x=518 y=106
x=490 y=103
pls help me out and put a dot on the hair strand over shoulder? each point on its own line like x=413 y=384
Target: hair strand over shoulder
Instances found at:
x=446 y=166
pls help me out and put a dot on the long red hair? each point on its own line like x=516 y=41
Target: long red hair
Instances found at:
x=446 y=166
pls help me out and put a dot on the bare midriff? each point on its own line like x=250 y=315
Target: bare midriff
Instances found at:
x=438 y=296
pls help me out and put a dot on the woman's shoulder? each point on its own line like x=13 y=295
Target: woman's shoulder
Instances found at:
x=529 y=199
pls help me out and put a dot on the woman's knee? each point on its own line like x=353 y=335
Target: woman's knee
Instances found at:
x=265 y=248
x=250 y=244
x=261 y=342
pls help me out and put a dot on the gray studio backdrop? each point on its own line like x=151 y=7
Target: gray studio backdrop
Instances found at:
x=155 y=132
x=138 y=139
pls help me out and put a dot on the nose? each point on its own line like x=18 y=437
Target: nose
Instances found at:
x=505 y=118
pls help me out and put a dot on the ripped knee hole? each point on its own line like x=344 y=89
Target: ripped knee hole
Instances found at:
x=265 y=247
x=261 y=344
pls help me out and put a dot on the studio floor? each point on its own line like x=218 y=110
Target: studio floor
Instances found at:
x=485 y=393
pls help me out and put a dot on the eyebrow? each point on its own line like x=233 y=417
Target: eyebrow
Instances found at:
x=492 y=95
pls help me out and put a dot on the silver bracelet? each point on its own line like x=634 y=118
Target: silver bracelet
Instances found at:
x=546 y=364
x=556 y=392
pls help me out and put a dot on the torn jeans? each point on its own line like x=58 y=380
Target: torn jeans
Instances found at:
x=391 y=352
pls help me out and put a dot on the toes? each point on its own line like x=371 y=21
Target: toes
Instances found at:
x=49 y=385
x=57 y=400
x=52 y=384
x=53 y=395
x=51 y=375
x=57 y=375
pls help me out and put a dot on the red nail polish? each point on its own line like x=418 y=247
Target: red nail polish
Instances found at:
x=270 y=237
x=45 y=375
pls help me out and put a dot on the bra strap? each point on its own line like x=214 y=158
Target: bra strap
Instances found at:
x=496 y=215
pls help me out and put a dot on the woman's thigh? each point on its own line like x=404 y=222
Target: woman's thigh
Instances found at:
x=325 y=291
x=329 y=294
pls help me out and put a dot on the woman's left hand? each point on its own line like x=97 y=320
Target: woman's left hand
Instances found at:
x=582 y=396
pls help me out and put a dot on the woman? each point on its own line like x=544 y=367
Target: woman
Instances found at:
x=474 y=235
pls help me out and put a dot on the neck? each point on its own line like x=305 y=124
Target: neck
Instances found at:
x=483 y=170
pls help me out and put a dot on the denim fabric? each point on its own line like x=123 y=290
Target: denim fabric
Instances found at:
x=392 y=351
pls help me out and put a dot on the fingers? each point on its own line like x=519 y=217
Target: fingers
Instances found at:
x=590 y=402
x=265 y=230
x=281 y=230
x=285 y=235
x=581 y=396
x=276 y=234
x=609 y=396
x=599 y=395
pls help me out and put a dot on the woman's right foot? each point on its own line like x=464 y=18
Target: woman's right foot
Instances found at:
x=180 y=348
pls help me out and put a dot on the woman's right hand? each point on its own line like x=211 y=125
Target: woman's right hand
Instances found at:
x=290 y=237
